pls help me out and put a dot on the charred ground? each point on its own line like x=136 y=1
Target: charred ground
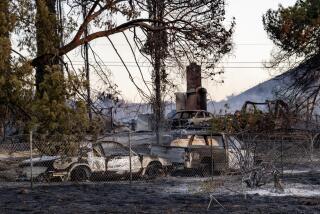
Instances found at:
x=167 y=195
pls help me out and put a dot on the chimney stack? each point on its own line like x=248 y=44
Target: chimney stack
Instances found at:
x=196 y=96
x=193 y=76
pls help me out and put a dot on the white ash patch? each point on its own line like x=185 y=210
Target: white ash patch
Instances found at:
x=292 y=190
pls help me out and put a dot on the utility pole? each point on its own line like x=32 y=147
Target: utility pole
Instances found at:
x=86 y=59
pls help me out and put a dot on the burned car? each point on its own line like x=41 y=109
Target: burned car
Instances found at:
x=206 y=153
x=190 y=118
x=107 y=159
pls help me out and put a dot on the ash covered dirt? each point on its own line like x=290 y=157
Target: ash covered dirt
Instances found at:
x=166 y=195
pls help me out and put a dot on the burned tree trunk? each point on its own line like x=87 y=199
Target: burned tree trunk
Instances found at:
x=157 y=105
x=156 y=47
x=87 y=64
x=47 y=36
x=5 y=45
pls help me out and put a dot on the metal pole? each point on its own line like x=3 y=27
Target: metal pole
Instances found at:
x=111 y=114
x=130 y=155
x=86 y=58
x=311 y=146
x=211 y=171
x=31 y=162
x=282 y=157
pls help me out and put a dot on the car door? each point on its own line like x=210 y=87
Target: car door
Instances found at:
x=96 y=160
x=185 y=118
x=198 y=118
x=175 y=120
x=208 y=116
x=118 y=159
x=219 y=151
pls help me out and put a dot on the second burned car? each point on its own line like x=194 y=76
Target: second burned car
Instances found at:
x=107 y=159
x=190 y=118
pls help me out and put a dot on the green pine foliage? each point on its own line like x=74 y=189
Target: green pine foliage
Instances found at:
x=296 y=29
x=56 y=112
x=57 y=116
x=14 y=87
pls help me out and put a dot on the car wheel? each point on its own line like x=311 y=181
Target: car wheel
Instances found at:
x=154 y=170
x=80 y=174
x=42 y=178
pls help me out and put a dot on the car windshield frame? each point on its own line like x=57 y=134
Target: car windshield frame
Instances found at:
x=238 y=145
x=120 y=146
x=177 y=115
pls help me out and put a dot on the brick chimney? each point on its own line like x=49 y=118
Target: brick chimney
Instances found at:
x=193 y=76
x=196 y=97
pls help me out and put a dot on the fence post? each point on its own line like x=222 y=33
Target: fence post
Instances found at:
x=130 y=155
x=31 y=161
x=313 y=138
x=282 y=156
x=211 y=153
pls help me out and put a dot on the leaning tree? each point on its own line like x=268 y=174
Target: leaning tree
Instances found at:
x=194 y=31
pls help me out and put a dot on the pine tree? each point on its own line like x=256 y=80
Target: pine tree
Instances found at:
x=5 y=46
x=59 y=120
x=48 y=41
x=295 y=30
x=13 y=90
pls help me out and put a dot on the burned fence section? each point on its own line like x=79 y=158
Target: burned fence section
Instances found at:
x=44 y=159
x=13 y=150
x=138 y=157
x=284 y=150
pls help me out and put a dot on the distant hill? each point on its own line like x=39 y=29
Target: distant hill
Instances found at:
x=305 y=72
x=259 y=93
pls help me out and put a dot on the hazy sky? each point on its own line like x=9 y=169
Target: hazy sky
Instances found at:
x=251 y=46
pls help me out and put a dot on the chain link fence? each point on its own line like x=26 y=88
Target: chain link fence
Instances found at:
x=250 y=159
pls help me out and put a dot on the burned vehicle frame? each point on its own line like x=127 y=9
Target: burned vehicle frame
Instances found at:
x=190 y=119
x=206 y=153
x=100 y=160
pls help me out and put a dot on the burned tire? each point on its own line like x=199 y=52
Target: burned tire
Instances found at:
x=205 y=169
x=154 y=170
x=80 y=174
x=42 y=178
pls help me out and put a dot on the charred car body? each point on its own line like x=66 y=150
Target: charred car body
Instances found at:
x=190 y=118
x=205 y=153
x=106 y=159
